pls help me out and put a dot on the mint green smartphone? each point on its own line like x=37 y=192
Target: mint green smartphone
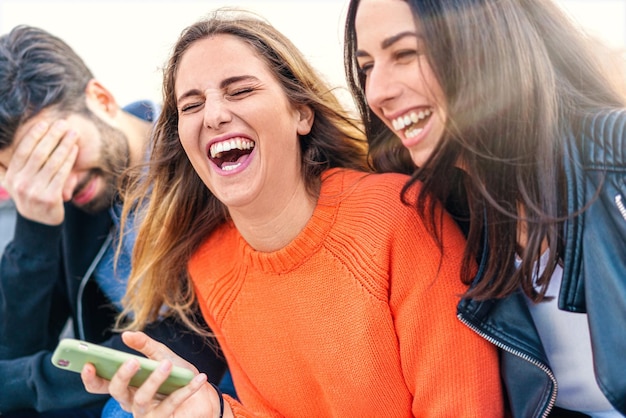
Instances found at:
x=72 y=355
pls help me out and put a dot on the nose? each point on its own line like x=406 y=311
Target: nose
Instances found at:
x=216 y=113
x=381 y=86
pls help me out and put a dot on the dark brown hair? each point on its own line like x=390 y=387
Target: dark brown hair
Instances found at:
x=37 y=70
x=517 y=76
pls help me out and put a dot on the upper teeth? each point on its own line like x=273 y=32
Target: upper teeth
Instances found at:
x=234 y=143
x=409 y=119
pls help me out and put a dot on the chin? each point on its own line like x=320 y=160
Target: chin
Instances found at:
x=419 y=157
x=99 y=203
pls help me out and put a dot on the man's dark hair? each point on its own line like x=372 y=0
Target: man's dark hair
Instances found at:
x=37 y=70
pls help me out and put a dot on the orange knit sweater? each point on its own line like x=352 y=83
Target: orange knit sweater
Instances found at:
x=354 y=318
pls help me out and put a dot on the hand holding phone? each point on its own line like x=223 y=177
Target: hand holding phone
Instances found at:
x=72 y=355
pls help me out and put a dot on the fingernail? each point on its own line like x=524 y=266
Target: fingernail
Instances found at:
x=131 y=365
x=41 y=126
x=165 y=366
x=200 y=378
x=60 y=124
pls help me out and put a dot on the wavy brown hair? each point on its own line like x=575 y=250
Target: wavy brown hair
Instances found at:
x=176 y=211
x=517 y=75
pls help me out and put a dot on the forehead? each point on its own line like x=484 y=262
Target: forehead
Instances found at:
x=212 y=59
x=376 y=20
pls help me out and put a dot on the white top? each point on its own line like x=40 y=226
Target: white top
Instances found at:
x=565 y=338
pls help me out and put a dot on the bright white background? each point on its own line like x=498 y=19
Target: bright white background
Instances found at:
x=126 y=42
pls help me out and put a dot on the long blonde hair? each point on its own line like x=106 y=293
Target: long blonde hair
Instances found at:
x=176 y=211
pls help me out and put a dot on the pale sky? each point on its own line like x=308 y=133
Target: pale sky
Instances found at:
x=126 y=42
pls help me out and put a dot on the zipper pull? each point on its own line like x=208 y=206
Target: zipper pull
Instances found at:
x=620 y=205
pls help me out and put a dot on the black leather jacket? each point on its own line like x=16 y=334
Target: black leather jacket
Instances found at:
x=594 y=277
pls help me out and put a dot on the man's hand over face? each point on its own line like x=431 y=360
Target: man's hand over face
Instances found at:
x=38 y=175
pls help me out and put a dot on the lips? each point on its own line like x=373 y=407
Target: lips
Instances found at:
x=230 y=154
x=85 y=193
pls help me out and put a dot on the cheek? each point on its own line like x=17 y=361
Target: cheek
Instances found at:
x=88 y=156
x=90 y=143
x=190 y=143
x=189 y=147
x=431 y=85
x=371 y=101
x=187 y=134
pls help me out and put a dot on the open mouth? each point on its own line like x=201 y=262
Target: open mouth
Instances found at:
x=413 y=122
x=230 y=154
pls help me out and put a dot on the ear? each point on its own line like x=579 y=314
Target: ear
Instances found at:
x=99 y=98
x=306 y=119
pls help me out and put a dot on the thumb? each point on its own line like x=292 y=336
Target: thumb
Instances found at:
x=151 y=348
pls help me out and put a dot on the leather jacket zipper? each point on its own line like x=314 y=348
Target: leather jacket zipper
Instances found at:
x=620 y=205
x=523 y=356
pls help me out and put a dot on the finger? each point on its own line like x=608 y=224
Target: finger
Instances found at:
x=119 y=386
x=60 y=162
x=28 y=142
x=39 y=196
x=154 y=349
x=62 y=177
x=34 y=179
x=91 y=381
x=151 y=348
x=32 y=153
x=147 y=394
x=176 y=399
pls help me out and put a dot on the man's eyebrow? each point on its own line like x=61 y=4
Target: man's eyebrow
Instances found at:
x=387 y=42
x=225 y=83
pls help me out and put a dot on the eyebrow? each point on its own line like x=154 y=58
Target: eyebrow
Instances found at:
x=225 y=83
x=387 y=42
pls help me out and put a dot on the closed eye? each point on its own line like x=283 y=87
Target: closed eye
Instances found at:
x=240 y=92
x=186 y=108
x=406 y=55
